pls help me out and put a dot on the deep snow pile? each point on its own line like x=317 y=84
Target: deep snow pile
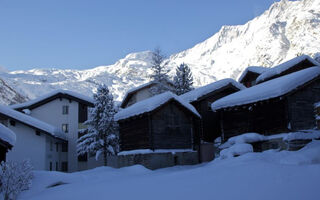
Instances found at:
x=264 y=176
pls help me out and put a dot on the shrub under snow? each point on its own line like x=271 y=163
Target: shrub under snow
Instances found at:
x=14 y=178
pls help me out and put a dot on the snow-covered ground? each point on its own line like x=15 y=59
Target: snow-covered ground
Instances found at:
x=267 y=175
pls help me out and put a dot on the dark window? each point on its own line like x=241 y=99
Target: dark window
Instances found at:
x=65 y=110
x=50 y=167
x=64 y=166
x=57 y=166
x=57 y=147
x=37 y=132
x=83 y=158
x=64 y=147
x=12 y=122
x=65 y=128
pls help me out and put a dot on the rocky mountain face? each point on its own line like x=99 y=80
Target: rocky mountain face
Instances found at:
x=9 y=95
x=285 y=30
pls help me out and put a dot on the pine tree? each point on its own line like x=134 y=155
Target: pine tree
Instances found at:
x=159 y=72
x=183 y=79
x=101 y=137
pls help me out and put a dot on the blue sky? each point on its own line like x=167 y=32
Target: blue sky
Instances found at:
x=79 y=34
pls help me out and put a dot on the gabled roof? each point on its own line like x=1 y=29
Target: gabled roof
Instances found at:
x=285 y=67
x=197 y=93
x=7 y=135
x=54 y=95
x=253 y=69
x=132 y=91
x=152 y=103
x=31 y=122
x=267 y=90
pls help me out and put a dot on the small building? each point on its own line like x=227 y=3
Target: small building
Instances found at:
x=164 y=121
x=67 y=111
x=43 y=144
x=293 y=65
x=202 y=98
x=282 y=104
x=7 y=140
x=250 y=74
x=142 y=92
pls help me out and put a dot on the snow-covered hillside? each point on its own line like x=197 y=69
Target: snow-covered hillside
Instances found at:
x=9 y=95
x=264 y=176
x=286 y=29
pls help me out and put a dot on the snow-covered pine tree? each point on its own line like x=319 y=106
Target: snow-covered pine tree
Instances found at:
x=101 y=136
x=159 y=72
x=14 y=178
x=183 y=80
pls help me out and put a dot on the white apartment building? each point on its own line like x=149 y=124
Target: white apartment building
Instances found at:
x=67 y=111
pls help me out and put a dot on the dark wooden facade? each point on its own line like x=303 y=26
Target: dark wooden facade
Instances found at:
x=209 y=125
x=249 y=79
x=171 y=126
x=291 y=112
x=4 y=147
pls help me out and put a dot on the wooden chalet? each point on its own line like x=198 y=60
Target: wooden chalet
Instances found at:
x=250 y=74
x=163 y=121
x=293 y=65
x=142 y=92
x=202 y=98
x=7 y=140
x=282 y=104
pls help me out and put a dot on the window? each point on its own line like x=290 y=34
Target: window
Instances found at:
x=37 y=132
x=50 y=167
x=51 y=145
x=65 y=128
x=12 y=122
x=83 y=158
x=57 y=147
x=64 y=166
x=64 y=147
x=57 y=166
x=65 y=110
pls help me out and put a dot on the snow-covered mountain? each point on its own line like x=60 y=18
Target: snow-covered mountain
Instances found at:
x=286 y=29
x=9 y=95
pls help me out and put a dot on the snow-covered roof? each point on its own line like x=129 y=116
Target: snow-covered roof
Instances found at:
x=68 y=93
x=269 y=89
x=284 y=66
x=197 y=93
x=30 y=121
x=254 y=69
x=151 y=104
x=136 y=89
x=7 y=135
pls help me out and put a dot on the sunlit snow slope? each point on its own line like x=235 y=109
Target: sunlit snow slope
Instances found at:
x=286 y=29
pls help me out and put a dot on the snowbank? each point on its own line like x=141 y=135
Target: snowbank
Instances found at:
x=306 y=135
x=148 y=151
x=151 y=104
x=236 y=150
x=197 y=93
x=268 y=90
x=283 y=67
x=264 y=176
x=7 y=135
